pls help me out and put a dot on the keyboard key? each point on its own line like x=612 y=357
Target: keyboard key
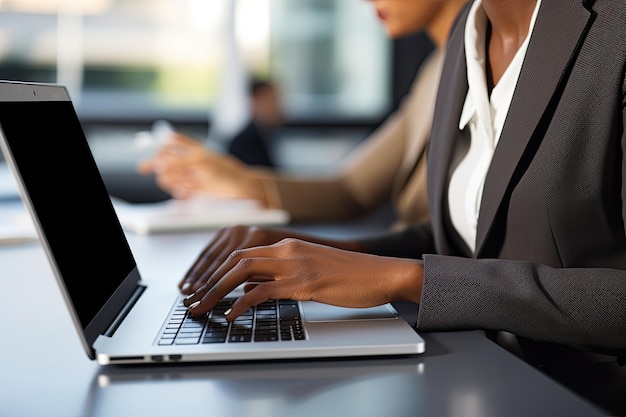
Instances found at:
x=207 y=340
x=265 y=337
x=238 y=338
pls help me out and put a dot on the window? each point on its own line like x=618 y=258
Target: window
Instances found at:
x=147 y=59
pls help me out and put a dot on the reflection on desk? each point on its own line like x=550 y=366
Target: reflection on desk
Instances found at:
x=323 y=388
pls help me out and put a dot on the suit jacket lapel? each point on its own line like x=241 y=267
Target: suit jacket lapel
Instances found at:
x=553 y=45
x=450 y=98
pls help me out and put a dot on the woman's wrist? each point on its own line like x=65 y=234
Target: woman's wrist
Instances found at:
x=410 y=281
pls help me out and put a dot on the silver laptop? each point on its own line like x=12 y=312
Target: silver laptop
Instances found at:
x=124 y=318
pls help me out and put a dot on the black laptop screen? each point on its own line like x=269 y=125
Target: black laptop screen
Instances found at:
x=70 y=198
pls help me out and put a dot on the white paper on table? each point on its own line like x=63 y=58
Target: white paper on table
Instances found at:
x=195 y=214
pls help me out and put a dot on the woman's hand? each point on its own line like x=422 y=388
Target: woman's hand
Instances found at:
x=184 y=168
x=299 y=270
x=229 y=239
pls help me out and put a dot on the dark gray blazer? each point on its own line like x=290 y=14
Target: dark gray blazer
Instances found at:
x=550 y=262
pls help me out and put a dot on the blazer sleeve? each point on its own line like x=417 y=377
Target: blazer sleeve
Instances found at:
x=572 y=306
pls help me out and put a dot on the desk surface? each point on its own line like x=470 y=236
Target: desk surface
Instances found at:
x=45 y=372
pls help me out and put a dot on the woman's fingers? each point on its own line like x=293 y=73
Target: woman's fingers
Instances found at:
x=259 y=292
x=223 y=244
x=199 y=271
x=239 y=267
x=261 y=263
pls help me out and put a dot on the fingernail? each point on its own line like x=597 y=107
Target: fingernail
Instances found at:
x=194 y=305
x=185 y=286
x=227 y=312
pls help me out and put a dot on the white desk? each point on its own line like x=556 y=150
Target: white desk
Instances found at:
x=461 y=373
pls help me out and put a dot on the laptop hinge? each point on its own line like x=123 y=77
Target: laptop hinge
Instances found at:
x=124 y=312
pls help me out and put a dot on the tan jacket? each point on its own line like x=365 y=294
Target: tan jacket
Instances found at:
x=390 y=164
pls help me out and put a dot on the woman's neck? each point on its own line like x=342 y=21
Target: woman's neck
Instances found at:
x=509 y=21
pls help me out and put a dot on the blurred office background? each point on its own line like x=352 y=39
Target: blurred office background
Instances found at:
x=128 y=63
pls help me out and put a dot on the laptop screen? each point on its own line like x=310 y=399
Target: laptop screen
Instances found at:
x=70 y=198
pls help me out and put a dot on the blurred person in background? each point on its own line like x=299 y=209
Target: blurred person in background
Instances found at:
x=252 y=144
x=389 y=165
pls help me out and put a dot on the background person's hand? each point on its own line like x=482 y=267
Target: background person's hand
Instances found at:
x=299 y=270
x=173 y=165
x=229 y=239
x=184 y=168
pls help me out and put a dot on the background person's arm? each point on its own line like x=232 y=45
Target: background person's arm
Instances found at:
x=385 y=166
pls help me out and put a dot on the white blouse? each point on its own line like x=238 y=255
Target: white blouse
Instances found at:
x=485 y=117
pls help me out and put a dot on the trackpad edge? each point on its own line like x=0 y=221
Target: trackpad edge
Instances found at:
x=318 y=312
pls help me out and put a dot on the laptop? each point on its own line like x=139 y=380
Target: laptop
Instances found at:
x=123 y=317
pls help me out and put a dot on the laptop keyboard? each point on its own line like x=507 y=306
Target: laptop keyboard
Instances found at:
x=271 y=321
